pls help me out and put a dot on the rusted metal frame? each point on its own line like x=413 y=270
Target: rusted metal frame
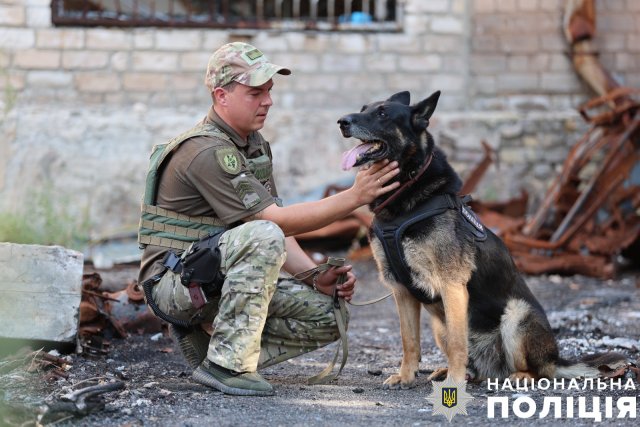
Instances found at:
x=615 y=214
x=533 y=226
x=579 y=156
x=471 y=182
x=559 y=235
x=573 y=263
x=260 y=21
x=580 y=29
x=347 y=8
x=617 y=100
x=365 y=6
x=564 y=232
x=212 y=10
x=560 y=239
x=296 y=9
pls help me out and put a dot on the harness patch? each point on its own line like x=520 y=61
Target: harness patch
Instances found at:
x=472 y=219
x=228 y=160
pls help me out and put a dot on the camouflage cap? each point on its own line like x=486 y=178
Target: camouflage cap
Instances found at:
x=242 y=63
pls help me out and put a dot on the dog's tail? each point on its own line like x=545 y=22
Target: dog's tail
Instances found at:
x=591 y=366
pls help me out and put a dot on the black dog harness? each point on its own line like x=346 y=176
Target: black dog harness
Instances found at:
x=390 y=234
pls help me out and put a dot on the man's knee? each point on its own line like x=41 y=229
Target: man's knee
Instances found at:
x=266 y=235
x=254 y=248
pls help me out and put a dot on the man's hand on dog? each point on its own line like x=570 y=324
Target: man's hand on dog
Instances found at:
x=370 y=181
x=327 y=279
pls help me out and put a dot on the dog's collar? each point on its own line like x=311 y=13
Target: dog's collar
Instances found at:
x=404 y=186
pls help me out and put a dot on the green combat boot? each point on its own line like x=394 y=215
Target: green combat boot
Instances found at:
x=230 y=382
x=193 y=343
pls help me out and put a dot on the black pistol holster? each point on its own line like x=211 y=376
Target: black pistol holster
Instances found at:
x=199 y=269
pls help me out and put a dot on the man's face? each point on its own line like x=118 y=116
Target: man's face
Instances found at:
x=246 y=107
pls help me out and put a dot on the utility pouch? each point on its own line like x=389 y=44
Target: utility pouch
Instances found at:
x=201 y=265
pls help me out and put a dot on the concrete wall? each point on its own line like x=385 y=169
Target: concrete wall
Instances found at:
x=81 y=107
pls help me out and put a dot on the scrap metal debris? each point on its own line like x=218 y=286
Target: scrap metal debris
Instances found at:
x=591 y=212
x=78 y=402
x=104 y=314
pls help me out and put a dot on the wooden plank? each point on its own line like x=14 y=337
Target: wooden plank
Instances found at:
x=40 y=291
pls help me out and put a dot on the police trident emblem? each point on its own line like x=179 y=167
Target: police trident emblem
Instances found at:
x=449 y=398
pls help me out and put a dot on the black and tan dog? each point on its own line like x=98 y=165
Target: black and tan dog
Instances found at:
x=432 y=251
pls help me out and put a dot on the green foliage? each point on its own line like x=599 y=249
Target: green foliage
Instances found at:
x=45 y=221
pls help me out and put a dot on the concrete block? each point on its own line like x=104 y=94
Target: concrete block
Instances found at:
x=12 y=16
x=420 y=63
x=381 y=62
x=297 y=62
x=447 y=25
x=49 y=79
x=40 y=290
x=97 y=82
x=37 y=59
x=143 y=38
x=428 y=6
x=154 y=61
x=39 y=17
x=518 y=81
x=194 y=61
x=12 y=39
x=109 y=39
x=145 y=82
x=341 y=63
x=67 y=38
x=484 y=6
x=72 y=60
x=181 y=40
x=507 y=6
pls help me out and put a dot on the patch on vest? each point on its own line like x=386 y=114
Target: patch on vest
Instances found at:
x=469 y=216
x=228 y=160
x=247 y=194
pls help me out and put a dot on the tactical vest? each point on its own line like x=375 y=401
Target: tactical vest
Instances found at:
x=390 y=234
x=162 y=227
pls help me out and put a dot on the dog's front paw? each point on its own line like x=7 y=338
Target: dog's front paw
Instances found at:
x=397 y=382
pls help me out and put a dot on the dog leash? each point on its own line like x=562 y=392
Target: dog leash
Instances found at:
x=340 y=312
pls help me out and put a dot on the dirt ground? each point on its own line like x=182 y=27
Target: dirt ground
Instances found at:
x=587 y=315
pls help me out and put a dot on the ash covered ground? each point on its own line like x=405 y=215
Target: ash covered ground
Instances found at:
x=588 y=316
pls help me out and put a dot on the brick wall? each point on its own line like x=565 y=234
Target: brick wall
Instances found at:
x=481 y=53
x=519 y=52
x=81 y=107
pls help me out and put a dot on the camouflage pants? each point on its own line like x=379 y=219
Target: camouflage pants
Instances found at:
x=259 y=320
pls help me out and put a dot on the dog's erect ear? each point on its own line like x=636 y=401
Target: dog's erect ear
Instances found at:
x=401 y=97
x=422 y=111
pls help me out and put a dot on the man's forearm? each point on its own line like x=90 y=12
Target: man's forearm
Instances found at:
x=297 y=259
x=309 y=216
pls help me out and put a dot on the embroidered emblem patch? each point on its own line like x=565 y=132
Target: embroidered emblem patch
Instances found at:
x=245 y=191
x=228 y=159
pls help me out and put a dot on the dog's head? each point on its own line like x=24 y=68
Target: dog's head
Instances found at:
x=390 y=129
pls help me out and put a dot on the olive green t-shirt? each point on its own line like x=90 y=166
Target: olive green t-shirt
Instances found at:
x=208 y=176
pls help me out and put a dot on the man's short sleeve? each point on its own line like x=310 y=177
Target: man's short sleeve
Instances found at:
x=224 y=181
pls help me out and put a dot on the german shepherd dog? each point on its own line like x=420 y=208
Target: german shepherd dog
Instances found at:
x=483 y=316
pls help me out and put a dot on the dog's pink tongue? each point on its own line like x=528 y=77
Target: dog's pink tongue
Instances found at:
x=349 y=158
